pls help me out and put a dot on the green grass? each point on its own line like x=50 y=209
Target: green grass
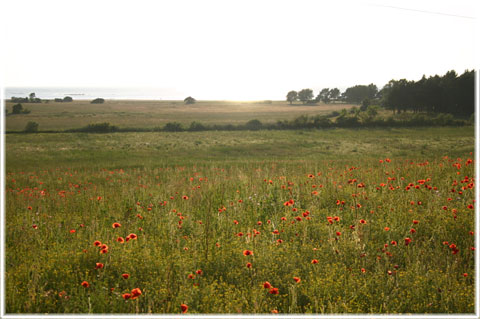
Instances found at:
x=150 y=114
x=61 y=181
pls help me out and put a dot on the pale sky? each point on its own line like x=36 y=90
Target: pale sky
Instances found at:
x=242 y=50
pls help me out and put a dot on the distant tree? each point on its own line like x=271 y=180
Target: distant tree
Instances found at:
x=358 y=93
x=31 y=96
x=173 y=127
x=189 y=100
x=292 y=96
x=60 y=100
x=17 y=109
x=324 y=95
x=333 y=94
x=97 y=101
x=305 y=95
x=31 y=127
x=67 y=99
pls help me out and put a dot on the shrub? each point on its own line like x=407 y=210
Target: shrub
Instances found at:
x=97 y=101
x=97 y=128
x=31 y=127
x=195 y=126
x=173 y=127
x=189 y=100
x=17 y=109
x=253 y=125
x=67 y=99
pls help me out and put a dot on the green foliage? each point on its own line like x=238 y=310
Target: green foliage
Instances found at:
x=97 y=128
x=173 y=127
x=31 y=127
x=253 y=125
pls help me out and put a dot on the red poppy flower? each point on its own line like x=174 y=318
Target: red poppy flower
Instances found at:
x=363 y=221
x=415 y=222
x=85 y=284
x=412 y=231
x=116 y=225
x=126 y=296
x=184 y=308
x=97 y=243
x=314 y=261
x=191 y=276
x=283 y=218
x=185 y=197
x=132 y=236
x=199 y=272
x=104 y=251
x=247 y=252
x=387 y=228
x=240 y=234
x=296 y=279
x=407 y=241
x=120 y=240
x=136 y=292
x=235 y=222
x=338 y=233
x=274 y=291
x=259 y=223
x=465 y=274
x=35 y=226
x=249 y=265
x=267 y=285
x=125 y=276
x=72 y=231
x=363 y=270
x=99 y=266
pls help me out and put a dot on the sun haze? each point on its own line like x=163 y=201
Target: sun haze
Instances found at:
x=238 y=50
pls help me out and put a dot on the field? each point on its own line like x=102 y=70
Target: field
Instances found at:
x=338 y=221
x=150 y=114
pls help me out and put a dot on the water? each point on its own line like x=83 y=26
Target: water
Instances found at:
x=79 y=93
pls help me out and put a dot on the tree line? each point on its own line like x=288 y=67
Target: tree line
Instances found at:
x=451 y=93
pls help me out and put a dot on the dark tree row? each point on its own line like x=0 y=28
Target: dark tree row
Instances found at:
x=450 y=93
x=355 y=94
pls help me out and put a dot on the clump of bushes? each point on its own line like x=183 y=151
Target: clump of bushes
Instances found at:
x=97 y=101
x=18 y=109
x=31 y=127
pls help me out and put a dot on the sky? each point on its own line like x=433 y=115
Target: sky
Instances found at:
x=239 y=50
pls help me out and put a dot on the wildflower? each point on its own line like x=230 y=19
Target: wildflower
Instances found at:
x=240 y=234
x=465 y=274
x=116 y=225
x=314 y=261
x=120 y=240
x=132 y=236
x=185 y=197
x=191 y=276
x=136 y=292
x=103 y=251
x=72 y=231
x=125 y=276
x=184 y=308
x=363 y=221
x=274 y=291
x=407 y=241
x=235 y=222
x=338 y=233
x=247 y=252
x=387 y=228
x=363 y=270
x=99 y=266
x=35 y=226
x=199 y=272
x=267 y=285
x=97 y=243
x=85 y=284
x=249 y=265
x=415 y=222
x=412 y=231
x=126 y=296
x=297 y=280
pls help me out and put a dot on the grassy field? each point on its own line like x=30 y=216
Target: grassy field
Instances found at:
x=149 y=114
x=339 y=221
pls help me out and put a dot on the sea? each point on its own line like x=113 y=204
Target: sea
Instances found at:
x=90 y=93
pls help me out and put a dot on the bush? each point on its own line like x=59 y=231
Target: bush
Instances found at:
x=58 y=100
x=31 y=127
x=97 y=128
x=189 y=100
x=17 y=109
x=97 y=101
x=67 y=99
x=195 y=127
x=253 y=125
x=173 y=127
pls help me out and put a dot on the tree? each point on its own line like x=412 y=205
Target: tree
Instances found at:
x=333 y=94
x=189 y=100
x=305 y=95
x=31 y=96
x=292 y=96
x=17 y=109
x=31 y=127
x=67 y=99
x=324 y=95
x=365 y=103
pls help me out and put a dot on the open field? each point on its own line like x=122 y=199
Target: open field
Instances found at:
x=340 y=221
x=149 y=114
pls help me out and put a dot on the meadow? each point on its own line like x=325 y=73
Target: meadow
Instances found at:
x=150 y=114
x=311 y=221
